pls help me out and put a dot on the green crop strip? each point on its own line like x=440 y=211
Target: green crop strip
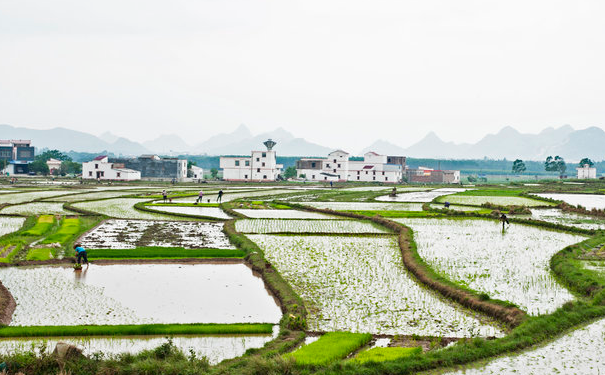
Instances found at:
x=163 y=252
x=385 y=354
x=329 y=348
x=43 y=225
x=69 y=228
x=133 y=330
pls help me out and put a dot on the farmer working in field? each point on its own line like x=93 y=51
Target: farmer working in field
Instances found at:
x=504 y=220
x=220 y=196
x=164 y=195
x=200 y=197
x=80 y=254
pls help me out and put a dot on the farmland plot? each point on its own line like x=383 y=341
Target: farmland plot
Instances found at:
x=420 y=196
x=283 y=214
x=215 y=348
x=10 y=224
x=228 y=196
x=36 y=208
x=477 y=200
x=129 y=234
x=555 y=215
x=122 y=208
x=31 y=195
x=139 y=294
x=365 y=206
x=579 y=352
x=588 y=201
x=87 y=196
x=265 y=226
x=359 y=284
x=215 y=212
x=512 y=266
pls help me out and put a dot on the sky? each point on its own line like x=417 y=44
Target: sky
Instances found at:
x=340 y=73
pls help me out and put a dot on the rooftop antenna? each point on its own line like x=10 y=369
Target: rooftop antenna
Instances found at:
x=269 y=144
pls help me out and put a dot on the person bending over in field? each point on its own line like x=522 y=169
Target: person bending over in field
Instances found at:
x=219 y=198
x=504 y=220
x=200 y=197
x=80 y=254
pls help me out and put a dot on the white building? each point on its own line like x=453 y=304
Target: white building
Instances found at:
x=53 y=165
x=197 y=173
x=586 y=172
x=260 y=166
x=337 y=167
x=100 y=168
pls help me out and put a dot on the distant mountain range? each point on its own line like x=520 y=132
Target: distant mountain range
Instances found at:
x=509 y=143
x=572 y=145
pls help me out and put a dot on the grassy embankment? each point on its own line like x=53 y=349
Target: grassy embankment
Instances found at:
x=142 y=329
x=163 y=253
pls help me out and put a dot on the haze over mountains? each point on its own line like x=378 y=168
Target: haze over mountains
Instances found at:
x=509 y=143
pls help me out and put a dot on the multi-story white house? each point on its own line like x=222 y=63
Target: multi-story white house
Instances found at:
x=337 y=167
x=101 y=169
x=586 y=172
x=260 y=166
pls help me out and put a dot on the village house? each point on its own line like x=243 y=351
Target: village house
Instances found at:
x=54 y=165
x=154 y=167
x=586 y=172
x=338 y=167
x=432 y=176
x=100 y=168
x=260 y=166
x=15 y=156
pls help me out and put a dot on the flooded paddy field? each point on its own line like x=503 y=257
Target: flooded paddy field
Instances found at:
x=588 y=201
x=511 y=265
x=265 y=226
x=36 y=208
x=28 y=196
x=365 y=206
x=555 y=215
x=359 y=284
x=139 y=294
x=214 y=348
x=214 y=212
x=478 y=200
x=282 y=214
x=422 y=196
x=10 y=224
x=129 y=234
x=122 y=208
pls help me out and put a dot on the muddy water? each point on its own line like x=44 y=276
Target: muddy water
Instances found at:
x=215 y=348
x=137 y=294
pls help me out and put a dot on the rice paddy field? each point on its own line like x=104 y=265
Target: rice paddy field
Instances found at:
x=190 y=289
x=512 y=265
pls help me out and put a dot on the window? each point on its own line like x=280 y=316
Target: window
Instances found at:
x=313 y=165
x=383 y=173
x=313 y=177
x=334 y=160
x=96 y=166
x=118 y=174
x=264 y=154
x=338 y=165
x=257 y=159
x=325 y=178
x=258 y=170
x=366 y=172
x=328 y=165
x=247 y=163
x=374 y=173
x=358 y=172
x=246 y=176
x=89 y=173
x=264 y=177
x=374 y=178
x=386 y=178
x=357 y=178
x=237 y=163
x=263 y=164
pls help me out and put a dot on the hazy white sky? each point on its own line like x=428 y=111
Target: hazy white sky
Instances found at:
x=341 y=73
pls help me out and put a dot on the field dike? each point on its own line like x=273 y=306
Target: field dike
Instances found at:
x=509 y=315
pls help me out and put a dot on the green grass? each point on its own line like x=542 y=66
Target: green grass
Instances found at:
x=164 y=252
x=144 y=329
x=68 y=229
x=385 y=354
x=39 y=254
x=43 y=225
x=329 y=348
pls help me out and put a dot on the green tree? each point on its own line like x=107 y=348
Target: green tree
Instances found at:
x=189 y=170
x=586 y=161
x=556 y=164
x=70 y=167
x=214 y=172
x=518 y=166
x=39 y=166
x=54 y=154
x=290 y=173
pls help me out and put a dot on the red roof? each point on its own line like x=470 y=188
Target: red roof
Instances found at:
x=100 y=157
x=368 y=167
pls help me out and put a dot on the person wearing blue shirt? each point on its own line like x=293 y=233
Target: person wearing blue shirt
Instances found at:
x=80 y=254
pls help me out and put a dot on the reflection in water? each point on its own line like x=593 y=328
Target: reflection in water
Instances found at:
x=215 y=348
x=138 y=294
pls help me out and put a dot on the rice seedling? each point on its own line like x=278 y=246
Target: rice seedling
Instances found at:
x=359 y=284
x=554 y=215
x=282 y=214
x=35 y=208
x=511 y=265
x=204 y=211
x=39 y=254
x=43 y=225
x=138 y=294
x=385 y=354
x=265 y=226
x=163 y=253
x=422 y=196
x=366 y=206
x=10 y=224
x=588 y=201
x=122 y=208
x=476 y=200
x=330 y=347
x=68 y=229
x=22 y=197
